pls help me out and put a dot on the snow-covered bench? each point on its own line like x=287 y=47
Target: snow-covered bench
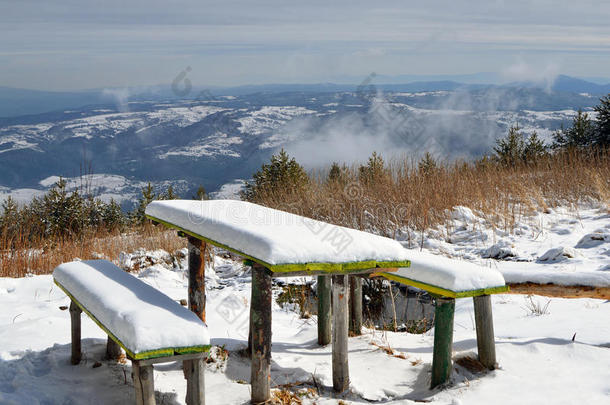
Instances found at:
x=278 y=243
x=148 y=325
x=448 y=279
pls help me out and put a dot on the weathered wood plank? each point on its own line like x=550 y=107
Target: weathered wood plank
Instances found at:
x=485 y=331
x=113 y=350
x=167 y=359
x=443 y=341
x=355 y=306
x=75 y=318
x=194 y=371
x=340 y=363
x=196 y=289
x=560 y=291
x=324 y=314
x=144 y=383
x=260 y=329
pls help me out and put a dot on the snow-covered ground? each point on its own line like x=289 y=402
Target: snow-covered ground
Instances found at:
x=561 y=356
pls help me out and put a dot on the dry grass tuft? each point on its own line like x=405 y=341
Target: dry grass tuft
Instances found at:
x=20 y=256
x=471 y=364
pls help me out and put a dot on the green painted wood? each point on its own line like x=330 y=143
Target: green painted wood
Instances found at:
x=443 y=340
x=324 y=313
x=355 y=305
x=486 y=344
x=260 y=329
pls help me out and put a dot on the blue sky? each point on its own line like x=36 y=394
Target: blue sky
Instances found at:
x=69 y=44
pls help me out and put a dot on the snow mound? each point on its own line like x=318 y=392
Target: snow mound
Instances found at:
x=593 y=239
x=140 y=316
x=500 y=251
x=559 y=253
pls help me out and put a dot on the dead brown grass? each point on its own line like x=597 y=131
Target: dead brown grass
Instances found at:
x=20 y=256
x=403 y=197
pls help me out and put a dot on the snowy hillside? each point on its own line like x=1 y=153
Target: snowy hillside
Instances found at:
x=558 y=355
x=218 y=141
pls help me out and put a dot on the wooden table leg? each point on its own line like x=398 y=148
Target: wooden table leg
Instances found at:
x=485 y=331
x=75 y=312
x=196 y=297
x=339 y=331
x=144 y=383
x=355 y=305
x=260 y=322
x=443 y=340
x=113 y=350
x=194 y=371
x=324 y=321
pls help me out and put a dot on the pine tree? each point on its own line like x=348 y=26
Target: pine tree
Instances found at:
x=138 y=216
x=534 y=148
x=337 y=174
x=282 y=175
x=580 y=134
x=602 y=128
x=374 y=171
x=169 y=194
x=427 y=165
x=201 y=194
x=509 y=150
x=10 y=214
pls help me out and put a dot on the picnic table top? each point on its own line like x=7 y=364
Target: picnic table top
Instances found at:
x=278 y=240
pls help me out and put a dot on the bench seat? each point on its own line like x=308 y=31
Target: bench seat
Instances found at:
x=448 y=277
x=143 y=321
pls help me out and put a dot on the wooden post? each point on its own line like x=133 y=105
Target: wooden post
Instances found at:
x=260 y=329
x=324 y=321
x=194 y=371
x=113 y=350
x=196 y=298
x=75 y=312
x=144 y=383
x=340 y=326
x=485 y=331
x=355 y=305
x=443 y=340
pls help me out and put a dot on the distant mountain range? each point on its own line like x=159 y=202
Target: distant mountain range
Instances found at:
x=220 y=140
x=18 y=102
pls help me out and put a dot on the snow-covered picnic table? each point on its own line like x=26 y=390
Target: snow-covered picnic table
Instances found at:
x=278 y=243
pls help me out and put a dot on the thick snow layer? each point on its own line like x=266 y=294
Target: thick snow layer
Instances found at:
x=140 y=316
x=450 y=274
x=274 y=236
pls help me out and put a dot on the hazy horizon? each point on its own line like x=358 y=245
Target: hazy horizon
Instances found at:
x=67 y=45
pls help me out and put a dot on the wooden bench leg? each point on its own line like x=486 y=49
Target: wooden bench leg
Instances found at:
x=485 y=331
x=196 y=297
x=144 y=383
x=443 y=340
x=113 y=350
x=75 y=312
x=260 y=329
x=324 y=322
x=340 y=327
x=355 y=305
x=194 y=371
